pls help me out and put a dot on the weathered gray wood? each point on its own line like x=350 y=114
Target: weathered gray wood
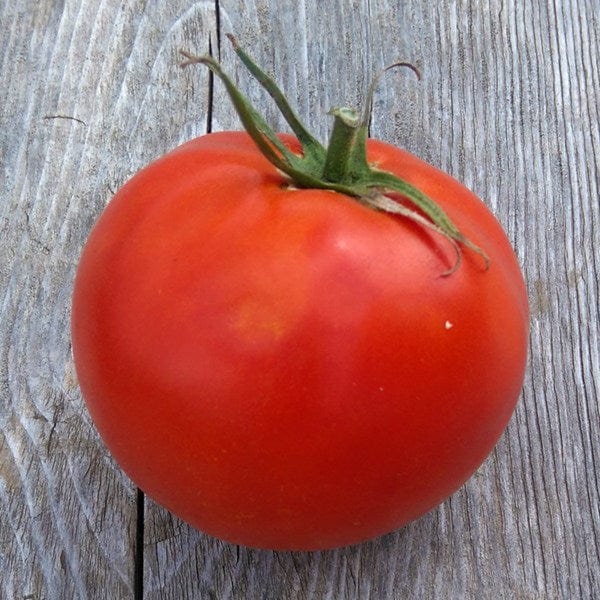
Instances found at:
x=68 y=514
x=509 y=103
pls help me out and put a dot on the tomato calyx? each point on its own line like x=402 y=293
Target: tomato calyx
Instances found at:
x=342 y=166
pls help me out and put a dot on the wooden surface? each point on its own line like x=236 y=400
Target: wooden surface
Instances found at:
x=508 y=103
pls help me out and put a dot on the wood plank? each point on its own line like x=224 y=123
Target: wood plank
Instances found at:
x=91 y=92
x=509 y=103
x=487 y=111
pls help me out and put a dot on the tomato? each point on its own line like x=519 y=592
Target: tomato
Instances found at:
x=286 y=367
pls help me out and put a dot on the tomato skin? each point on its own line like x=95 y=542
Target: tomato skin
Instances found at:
x=289 y=369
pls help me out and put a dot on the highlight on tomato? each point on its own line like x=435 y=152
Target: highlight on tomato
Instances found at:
x=293 y=345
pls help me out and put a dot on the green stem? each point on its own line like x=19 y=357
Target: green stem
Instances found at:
x=343 y=166
x=304 y=137
x=345 y=148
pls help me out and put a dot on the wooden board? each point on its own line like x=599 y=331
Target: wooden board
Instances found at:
x=508 y=103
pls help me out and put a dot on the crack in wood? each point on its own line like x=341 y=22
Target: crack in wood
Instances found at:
x=138 y=567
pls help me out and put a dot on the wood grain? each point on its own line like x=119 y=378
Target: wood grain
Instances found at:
x=509 y=103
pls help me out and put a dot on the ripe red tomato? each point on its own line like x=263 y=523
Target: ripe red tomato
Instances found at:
x=287 y=368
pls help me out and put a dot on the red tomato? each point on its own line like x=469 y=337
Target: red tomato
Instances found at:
x=286 y=368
